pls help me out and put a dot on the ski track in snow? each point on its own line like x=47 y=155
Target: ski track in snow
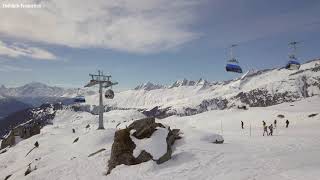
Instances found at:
x=291 y=153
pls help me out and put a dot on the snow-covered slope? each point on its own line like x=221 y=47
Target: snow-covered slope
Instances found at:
x=256 y=88
x=290 y=154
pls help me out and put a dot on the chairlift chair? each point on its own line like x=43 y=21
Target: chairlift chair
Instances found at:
x=79 y=99
x=293 y=63
x=233 y=64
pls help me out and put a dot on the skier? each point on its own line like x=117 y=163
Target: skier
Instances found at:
x=275 y=123
x=271 y=130
x=242 y=124
x=287 y=123
x=265 y=128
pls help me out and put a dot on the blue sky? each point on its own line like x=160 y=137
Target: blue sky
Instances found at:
x=150 y=40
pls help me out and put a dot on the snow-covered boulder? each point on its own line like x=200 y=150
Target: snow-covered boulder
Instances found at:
x=141 y=141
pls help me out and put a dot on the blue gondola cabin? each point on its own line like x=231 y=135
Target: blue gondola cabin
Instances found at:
x=233 y=66
x=293 y=65
x=79 y=99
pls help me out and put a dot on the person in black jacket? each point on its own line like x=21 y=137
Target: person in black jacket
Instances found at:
x=242 y=124
x=287 y=123
x=265 y=128
x=271 y=130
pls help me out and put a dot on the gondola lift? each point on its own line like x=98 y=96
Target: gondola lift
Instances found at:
x=293 y=63
x=79 y=98
x=233 y=63
x=109 y=94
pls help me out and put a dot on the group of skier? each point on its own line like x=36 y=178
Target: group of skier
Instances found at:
x=265 y=127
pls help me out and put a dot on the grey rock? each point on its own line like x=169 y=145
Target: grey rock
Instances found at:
x=123 y=146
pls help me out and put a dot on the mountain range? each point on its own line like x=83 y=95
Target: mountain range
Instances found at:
x=33 y=95
x=257 y=88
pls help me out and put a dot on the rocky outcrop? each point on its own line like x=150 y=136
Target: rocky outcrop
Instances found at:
x=9 y=140
x=24 y=131
x=27 y=123
x=123 y=146
x=148 y=86
x=41 y=116
x=263 y=98
x=205 y=105
x=159 y=112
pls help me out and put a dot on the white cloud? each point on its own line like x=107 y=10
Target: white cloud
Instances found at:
x=9 y=68
x=139 y=26
x=21 y=50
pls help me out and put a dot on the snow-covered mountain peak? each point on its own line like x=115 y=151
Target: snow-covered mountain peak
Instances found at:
x=183 y=82
x=35 y=85
x=202 y=82
x=148 y=86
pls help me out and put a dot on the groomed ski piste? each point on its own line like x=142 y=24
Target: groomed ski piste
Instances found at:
x=292 y=153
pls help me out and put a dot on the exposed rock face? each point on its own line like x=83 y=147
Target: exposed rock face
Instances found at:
x=9 y=140
x=159 y=112
x=27 y=123
x=148 y=86
x=122 y=150
x=263 y=98
x=205 y=105
x=22 y=131
x=144 y=128
x=123 y=146
x=183 y=82
x=41 y=115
